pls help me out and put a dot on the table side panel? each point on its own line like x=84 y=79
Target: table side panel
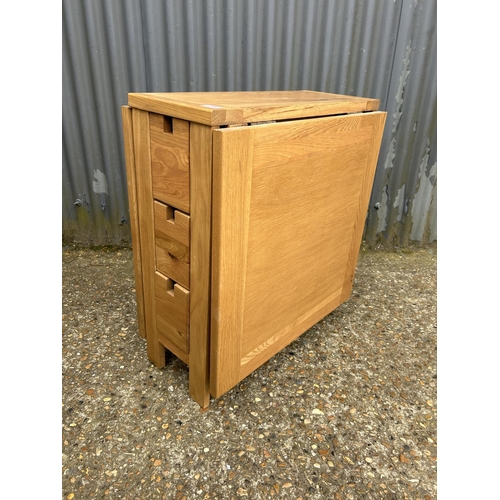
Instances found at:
x=286 y=205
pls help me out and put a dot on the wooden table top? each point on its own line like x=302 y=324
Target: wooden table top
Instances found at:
x=231 y=108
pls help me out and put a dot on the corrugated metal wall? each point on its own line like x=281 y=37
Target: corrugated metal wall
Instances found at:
x=382 y=48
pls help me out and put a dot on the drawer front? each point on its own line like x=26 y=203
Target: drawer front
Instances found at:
x=171 y=224
x=169 y=264
x=172 y=243
x=172 y=311
x=170 y=160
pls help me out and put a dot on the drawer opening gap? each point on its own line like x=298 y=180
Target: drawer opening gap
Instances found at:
x=170 y=213
x=170 y=287
x=168 y=125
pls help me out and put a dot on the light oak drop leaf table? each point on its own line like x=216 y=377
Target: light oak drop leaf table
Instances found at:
x=247 y=211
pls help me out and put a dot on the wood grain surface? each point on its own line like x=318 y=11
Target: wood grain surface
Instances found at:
x=170 y=160
x=286 y=201
x=225 y=108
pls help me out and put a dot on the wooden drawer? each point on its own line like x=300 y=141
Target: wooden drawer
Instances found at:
x=172 y=311
x=172 y=243
x=171 y=223
x=170 y=160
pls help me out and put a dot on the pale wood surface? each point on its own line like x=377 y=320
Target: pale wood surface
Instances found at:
x=225 y=108
x=170 y=161
x=172 y=309
x=286 y=200
x=201 y=213
x=140 y=119
x=128 y=139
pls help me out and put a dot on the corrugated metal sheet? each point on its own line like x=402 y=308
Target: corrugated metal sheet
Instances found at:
x=382 y=49
x=403 y=207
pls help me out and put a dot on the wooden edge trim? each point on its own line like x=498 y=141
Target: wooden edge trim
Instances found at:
x=200 y=189
x=128 y=140
x=149 y=102
x=378 y=121
x=142 y=148
x=232 y=181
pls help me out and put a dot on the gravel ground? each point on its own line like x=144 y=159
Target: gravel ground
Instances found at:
x=347 y=411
